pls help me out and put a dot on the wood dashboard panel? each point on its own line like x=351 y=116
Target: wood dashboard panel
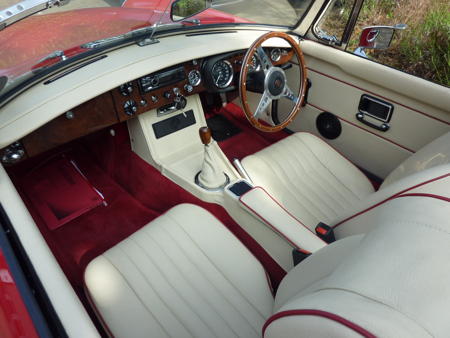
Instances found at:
x=88 y=117
x=137 y=96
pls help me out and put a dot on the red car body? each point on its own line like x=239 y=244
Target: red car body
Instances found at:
x=24 y=43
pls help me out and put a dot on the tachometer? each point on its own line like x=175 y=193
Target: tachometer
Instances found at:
x=222 y=74
x=253 y=65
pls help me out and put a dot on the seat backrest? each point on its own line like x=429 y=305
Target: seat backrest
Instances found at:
x=392 y=282
x=432 y=155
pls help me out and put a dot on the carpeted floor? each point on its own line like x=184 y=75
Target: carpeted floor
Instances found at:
x=135 y=194
x=249 y=140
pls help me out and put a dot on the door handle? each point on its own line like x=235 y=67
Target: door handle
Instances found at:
x=382 y=127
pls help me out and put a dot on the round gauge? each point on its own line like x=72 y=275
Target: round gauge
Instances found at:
x=194 y=78
x=275 y=54
x=253 y=65
x=222 y=74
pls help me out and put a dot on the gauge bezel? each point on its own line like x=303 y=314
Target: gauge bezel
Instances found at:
x=230 y=66
x=199 y=76
x=258 y=64
x=279 y=56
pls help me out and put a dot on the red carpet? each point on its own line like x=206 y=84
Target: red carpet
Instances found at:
x=135 y=193
x=250 y=140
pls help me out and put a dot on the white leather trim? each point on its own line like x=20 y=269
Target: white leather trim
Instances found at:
x=308 y=177
x=395 y=283
x=65 y=301
x=266 y=208
x=182 y=275
x=358 y=220
x=433 y=154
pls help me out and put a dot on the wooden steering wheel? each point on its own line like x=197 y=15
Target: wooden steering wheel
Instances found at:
x=275 y=83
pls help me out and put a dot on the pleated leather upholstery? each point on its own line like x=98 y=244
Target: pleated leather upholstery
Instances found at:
x=183 y=275
x=308 y=177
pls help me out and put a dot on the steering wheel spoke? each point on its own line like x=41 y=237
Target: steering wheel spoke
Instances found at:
x=273 y=79
x=264 y=103
x=289 y=94
x=264 y=59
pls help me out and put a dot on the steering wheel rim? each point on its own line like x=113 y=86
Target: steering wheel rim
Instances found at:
x=274 y=79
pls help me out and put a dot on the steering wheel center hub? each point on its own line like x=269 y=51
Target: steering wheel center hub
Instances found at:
x=275 y=82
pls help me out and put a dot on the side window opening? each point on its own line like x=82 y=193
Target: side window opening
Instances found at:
x=419 y=40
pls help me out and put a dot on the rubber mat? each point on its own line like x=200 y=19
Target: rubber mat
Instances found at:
x=222 y=128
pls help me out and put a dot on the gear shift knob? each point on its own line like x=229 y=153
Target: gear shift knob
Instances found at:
x=205 y=135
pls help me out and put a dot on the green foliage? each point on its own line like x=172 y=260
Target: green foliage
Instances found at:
x=423 y=49
x=427 y=46
x=185 y=8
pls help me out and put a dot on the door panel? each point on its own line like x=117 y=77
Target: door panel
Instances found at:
x=339 y=79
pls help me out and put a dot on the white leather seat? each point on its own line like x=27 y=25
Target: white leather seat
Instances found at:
x=317 y=184
x=182 y=275
x=185 y=275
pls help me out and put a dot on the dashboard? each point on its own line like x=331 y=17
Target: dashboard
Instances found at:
x=164 y=91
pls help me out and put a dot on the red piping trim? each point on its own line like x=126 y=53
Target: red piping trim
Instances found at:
x=446 y=199
x=369 y=131
x=272 y=226
x=96 y=312
x=380 y=96
x=390 y=198
x=318 y=313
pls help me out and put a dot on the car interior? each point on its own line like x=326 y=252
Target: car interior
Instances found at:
x=237 y=183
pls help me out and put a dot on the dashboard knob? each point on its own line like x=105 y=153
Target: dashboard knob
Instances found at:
x=167 y=95
x=180 y=102
x=126 y=89
x=154 y=98
x=188 y=88
x=130 y=107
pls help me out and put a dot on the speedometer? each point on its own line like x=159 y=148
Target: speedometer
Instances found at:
x=222 y=74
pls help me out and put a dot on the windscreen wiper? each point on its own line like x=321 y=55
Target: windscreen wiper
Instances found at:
x=23 y=9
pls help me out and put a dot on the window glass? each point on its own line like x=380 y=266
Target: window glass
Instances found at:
x=423 y=48
x=331 y=25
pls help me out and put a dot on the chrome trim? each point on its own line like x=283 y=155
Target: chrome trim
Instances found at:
x=23 y=9
x=199 y=76
x=219 y=188
x=385 y=104
x=275 y=58
x=241 y=170
x=231 y=76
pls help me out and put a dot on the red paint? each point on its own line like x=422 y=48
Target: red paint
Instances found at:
x=382 y=97
x=390 y=198
x=15 y=321
x=443 y=198
x=366 y=130
x=28 y=41
x=318 y=313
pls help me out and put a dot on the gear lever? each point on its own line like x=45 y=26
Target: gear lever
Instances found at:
x=211 y=177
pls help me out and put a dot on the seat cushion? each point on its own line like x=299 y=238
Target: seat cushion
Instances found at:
x=308 y=177
x=182 y=275
x=393 y=281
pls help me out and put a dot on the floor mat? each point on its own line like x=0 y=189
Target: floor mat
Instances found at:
x=222 y=128
x=60 y=192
